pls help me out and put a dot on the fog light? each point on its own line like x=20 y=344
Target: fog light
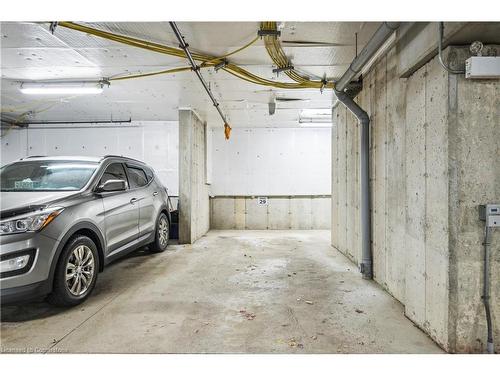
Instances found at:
x=14 y=264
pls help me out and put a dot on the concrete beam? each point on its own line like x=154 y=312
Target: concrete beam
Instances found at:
x=418 y=44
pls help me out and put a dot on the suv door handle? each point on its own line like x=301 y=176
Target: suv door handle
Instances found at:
x=155 y=194
x=133 y=200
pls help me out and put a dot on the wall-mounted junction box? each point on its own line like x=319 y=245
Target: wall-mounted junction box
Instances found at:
x=490 y=213
x=482 y=67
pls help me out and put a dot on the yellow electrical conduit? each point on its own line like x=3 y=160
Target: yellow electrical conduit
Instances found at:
x=206 y=64
x=221 y=58
x=279 y=58
x=141 y=75
x=207 y=60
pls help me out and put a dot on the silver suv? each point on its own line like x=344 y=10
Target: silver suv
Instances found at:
x=64 y=218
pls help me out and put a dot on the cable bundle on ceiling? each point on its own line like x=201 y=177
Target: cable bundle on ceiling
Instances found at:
x=277 y=54
x=207 y=61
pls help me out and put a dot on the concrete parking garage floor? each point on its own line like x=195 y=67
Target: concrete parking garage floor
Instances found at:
x=231 y=292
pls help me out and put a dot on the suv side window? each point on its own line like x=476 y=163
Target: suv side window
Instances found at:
x=149 y=173
x=114 y=171
x=137 y=177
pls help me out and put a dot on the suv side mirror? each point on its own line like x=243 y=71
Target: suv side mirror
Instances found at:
x=112 y=185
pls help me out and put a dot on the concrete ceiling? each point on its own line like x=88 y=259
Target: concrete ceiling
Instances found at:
x=29 y=52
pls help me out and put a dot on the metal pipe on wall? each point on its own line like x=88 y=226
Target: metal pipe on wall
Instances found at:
x=366 y=265
x=376 y=41
x=373 y=45
x=95 y=122
x=440 y=51
x=486 y=290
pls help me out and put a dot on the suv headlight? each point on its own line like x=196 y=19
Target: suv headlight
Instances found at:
x=32 y=222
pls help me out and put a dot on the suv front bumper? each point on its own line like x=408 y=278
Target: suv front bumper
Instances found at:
x=25 y=293
x=33 y=280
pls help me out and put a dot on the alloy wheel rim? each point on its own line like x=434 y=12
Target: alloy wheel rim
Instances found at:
x=163 y=232
x=80 y=270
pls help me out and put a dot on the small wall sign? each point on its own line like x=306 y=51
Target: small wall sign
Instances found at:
x=262 y=201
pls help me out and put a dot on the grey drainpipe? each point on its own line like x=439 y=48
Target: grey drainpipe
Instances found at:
x=373 y=45
x=364 y=121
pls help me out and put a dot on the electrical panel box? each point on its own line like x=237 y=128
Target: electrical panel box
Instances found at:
x=490 y=213
x=483 y=67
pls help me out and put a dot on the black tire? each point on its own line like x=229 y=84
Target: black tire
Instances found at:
x=61 y=294
x=159 y=244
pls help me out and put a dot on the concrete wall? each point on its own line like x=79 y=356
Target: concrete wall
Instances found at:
x=154 y=142
x=474 y=166
x=432 y=137
x=194 y=214
x=281 y=212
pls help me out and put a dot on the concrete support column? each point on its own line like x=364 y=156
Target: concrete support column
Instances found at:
x=194 y=218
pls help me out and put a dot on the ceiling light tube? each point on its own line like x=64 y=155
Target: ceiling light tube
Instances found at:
x=316 y=112
x=62 y=88
x=315 y=116
x=315 y=120
x=315 y=124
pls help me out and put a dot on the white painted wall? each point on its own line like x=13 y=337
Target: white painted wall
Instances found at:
x=271 y=161
x=154 y=142
x=291 y=166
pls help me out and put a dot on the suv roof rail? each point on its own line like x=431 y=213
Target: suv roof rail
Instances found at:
x=122 y=157
x=34 y=156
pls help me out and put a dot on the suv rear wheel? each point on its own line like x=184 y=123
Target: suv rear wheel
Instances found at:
x=76 y=272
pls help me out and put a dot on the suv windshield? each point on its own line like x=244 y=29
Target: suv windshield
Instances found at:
x=46 y=175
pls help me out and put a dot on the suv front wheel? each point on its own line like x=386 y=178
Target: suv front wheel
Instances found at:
x=162 y=234
x=76 y=272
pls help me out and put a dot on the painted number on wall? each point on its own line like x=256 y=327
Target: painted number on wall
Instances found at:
x=262 y=201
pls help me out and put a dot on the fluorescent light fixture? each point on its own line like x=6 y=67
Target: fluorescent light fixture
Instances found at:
x=315 y=124
x=61 y=88
x=316 y=112
x=316 y=116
